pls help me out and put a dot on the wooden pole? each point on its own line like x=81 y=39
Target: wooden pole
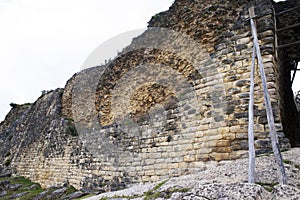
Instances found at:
x=288 y=10
x=251 y=171
x=288 y=45
x=270 y=117
x=288 y=27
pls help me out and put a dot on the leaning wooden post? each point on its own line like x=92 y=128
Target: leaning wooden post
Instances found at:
x=251 y=170
x=270 y=117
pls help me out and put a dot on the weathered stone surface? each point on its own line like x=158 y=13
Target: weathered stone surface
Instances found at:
x=14 y=186
x=76 y=195
x=16 y=196
x=3 y=193
x=223 y=180
x=21 y=188
x=4 y=183
x=285 y=192
x=229 y=191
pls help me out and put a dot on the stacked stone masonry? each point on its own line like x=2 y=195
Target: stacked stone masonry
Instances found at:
x=170 y=134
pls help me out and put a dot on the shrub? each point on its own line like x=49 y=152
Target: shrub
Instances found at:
x=14 y=105
x=7 y=162
x=70 y=127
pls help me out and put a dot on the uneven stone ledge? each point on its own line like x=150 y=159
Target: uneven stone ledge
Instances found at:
x=223 y=180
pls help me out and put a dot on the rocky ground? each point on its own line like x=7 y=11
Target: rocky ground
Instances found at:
x=223 y=180
x=217 y=180
x=23 y=189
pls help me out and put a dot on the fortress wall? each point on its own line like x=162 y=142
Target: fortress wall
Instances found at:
x=173 y=129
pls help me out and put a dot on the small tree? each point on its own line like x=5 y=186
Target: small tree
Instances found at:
x=14 y=105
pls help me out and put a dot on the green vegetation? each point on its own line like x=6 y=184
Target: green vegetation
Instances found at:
x=14 y=105
x=288 y=162
x=160 y=184
x=70 y=190
x=61 y=92
x=173 y=190
x=32 y=192
x=70 y=127
x=284 y=149
x=268 y=186
x=157 y=16
x=153 y=194
x=22 y=180
x=149 y=195
x=44 y=92
x=30 y=188
x=7 y=162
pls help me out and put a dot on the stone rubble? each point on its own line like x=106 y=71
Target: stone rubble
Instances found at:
x=226 y=180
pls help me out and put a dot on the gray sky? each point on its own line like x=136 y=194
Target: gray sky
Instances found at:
x=44 y=42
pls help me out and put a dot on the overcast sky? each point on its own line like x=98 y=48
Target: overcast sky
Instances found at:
x=44 y=42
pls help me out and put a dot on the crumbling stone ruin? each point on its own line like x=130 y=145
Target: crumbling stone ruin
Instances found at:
x=139 y=125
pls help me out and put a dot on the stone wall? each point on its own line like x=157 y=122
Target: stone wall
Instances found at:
x=157 y=110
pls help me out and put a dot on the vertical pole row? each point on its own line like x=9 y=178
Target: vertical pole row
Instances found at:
x=270 y=117
x=251 y=173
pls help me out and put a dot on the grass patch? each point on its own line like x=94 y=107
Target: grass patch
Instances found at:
x=284 y=150
x=32 y=194
x=70 y=127
x=26 y=183
x=288 y=162
x=157 y=16
x=32 y=188
x=70 y=190
x=173 y=190
x=7 y=162
x=22 y=180
x=159 y=185
x=268 y=186
x=153 y=194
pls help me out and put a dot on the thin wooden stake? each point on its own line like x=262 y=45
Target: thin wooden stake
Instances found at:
x=251 y=171
x=270 y=117
x=288 y=27
x=288 y=45
x=288 y=10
